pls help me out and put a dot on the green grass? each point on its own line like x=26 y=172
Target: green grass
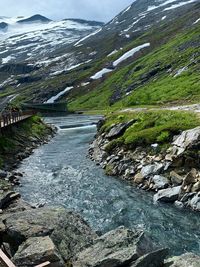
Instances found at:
x=34 y=127
x=13 y=138
x=150 y=127
x=159 y=89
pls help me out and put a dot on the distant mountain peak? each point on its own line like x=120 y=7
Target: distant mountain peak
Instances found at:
x=35 y=18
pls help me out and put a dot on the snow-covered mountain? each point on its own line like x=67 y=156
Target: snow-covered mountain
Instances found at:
x=46 y=57
x=37 y=37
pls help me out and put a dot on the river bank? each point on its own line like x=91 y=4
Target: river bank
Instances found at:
x=162 y=159
x=33 y=235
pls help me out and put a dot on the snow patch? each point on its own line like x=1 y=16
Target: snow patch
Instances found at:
x=86 y=37
x=127 y=9
x=130 y=54
x=179 y=5
x=7 y=59
x=84 y=84
x=54 y=98
x=150 y=8
x=112 y=53
x=100 y=73
x=135 y=22
x=196 y=21
x=180 y=71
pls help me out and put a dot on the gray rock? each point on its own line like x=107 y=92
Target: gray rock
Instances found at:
x=179 y=204
x=196 y=187
x=69 y=232
x=151 y=169
x=168 y=195
x=185 y=260
x=116 y=248
x=190 y=178
x=118 y=129
x=6 y=198
x=37 y=250
x=186 y=140
x=97 y=153
x=17 y=206
x=186 y=197
x=194 y=203
x=176 y=179
x=152 y=259
x=160 y=181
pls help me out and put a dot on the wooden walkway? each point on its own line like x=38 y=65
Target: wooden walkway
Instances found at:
x=10 y=118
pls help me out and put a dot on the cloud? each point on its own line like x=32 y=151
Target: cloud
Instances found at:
x=102 y=10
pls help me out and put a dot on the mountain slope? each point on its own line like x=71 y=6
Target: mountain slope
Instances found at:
x=148 y=54
x=173 y=51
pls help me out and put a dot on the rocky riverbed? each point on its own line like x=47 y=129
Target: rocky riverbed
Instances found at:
x=32 y=234
x=173 y=175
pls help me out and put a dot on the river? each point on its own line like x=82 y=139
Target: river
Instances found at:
x=59 y=173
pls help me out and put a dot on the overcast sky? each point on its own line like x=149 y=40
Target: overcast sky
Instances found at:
x=102 y=10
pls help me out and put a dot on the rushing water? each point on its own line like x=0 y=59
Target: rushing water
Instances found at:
x=59 y=173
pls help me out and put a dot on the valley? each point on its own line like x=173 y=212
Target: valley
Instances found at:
x=111 y=177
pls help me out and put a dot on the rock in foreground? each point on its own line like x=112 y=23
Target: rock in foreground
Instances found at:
x=37 y=250
x=186 y=260
x=116 y=248
x=69 y=232
x=168 y=195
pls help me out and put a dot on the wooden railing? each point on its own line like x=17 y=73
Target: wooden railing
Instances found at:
x=11 y=117
x=6 y=262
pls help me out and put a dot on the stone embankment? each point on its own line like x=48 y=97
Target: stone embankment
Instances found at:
x=173 y=175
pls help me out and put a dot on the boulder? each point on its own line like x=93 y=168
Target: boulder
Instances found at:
x=196 y=187
x=97 y=153
x=69 y=232
x=151 y=169
x=190 y=178
x=179 y=204
x=119 y=129
x=138 y=178
x=37 y=250
x=116 y=248
x=176 y=179
x=160 y=182
x=152 y=259
x=186 y=140
x=168 y=195
x=185 y=260
x=6 y=198
x=17 y=206
x=194 y=203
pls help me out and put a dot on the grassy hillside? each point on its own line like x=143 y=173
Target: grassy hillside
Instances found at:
x=16 y=139
x=169 y=73
x=149 y=127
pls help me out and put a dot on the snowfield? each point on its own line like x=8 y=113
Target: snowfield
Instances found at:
x=37 y=40
x=130 y=53
x=56 y=97
x=100 y=73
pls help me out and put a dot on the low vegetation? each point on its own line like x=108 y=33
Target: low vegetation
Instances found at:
x=169 y=73
x=13 y=138
x=150 y=127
